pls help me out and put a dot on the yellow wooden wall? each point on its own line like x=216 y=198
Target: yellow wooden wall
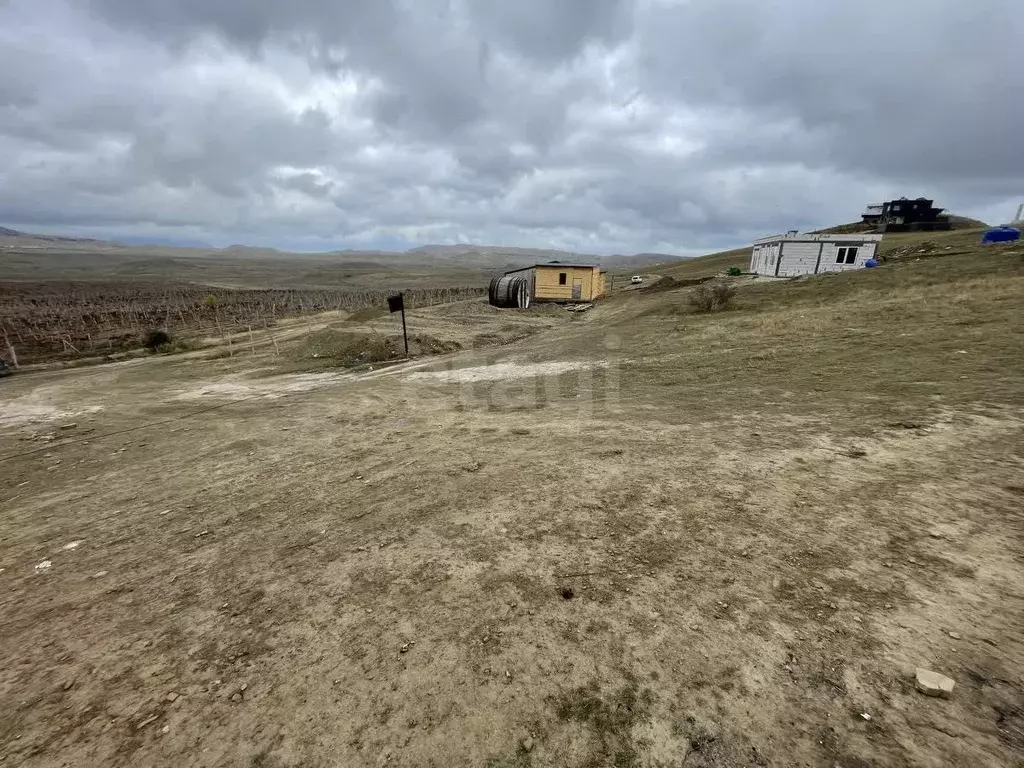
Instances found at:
x=548 y=288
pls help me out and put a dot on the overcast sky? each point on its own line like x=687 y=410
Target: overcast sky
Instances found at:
x=592 y=125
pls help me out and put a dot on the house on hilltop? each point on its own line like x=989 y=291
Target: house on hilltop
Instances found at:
x=905 y=215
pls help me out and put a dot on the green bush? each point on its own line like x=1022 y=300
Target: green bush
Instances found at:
x=734 y=272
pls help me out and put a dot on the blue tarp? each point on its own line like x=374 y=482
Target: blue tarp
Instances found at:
x=1001 y=235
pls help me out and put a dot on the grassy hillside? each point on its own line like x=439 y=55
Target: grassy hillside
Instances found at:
x=703 y=266
x=632 y=536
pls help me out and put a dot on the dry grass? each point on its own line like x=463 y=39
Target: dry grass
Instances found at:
x=704 y=266
x=777 y=513
x=712 y=297
x=904 y=336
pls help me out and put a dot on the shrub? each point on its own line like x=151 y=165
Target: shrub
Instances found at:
x=711 y=297
x=734 y=271
x=156 y=339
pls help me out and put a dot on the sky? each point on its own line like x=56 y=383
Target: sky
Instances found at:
x=604 y=126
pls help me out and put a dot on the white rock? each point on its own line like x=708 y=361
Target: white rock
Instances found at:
x=933 y=684
x=44 y=566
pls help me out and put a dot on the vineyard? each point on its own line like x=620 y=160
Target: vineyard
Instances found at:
x=53 y=320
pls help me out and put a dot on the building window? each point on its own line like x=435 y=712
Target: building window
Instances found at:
x=561 y=278
x=846 y=256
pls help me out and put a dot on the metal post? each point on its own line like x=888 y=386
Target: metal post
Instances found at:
x=405 y=334
x=10 y=349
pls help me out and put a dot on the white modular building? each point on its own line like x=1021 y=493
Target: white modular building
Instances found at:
x=794 y=254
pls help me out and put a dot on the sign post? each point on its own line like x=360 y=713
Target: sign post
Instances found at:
x=397 y=304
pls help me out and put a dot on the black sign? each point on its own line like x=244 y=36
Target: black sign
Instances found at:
x=395 y=303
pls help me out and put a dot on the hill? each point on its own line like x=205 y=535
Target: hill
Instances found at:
x=638 y=535
x=956 y=222
x=704 y=266
x=485 y=258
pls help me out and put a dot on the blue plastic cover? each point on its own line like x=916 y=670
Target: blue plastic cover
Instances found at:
x=1001 y=235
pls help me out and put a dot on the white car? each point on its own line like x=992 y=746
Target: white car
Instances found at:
x=636 y=279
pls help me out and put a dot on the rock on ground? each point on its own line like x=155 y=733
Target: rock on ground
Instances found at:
x=933 y=684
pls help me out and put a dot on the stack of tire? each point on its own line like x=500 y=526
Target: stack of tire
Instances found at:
x=510 y=292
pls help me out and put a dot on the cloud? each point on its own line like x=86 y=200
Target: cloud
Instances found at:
x=599 y=125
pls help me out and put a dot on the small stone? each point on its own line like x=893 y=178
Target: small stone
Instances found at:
x=404 y=648
x=236 y=697
x=866 y=716
x=69 y=426
x=69 y=685
x=858 y=619
x=202 y=533
x=99 y=574
x=172 y=696
x=528 y=744
x=45 y=565
x=165 y=729
x=933 y=684
x=955 y=635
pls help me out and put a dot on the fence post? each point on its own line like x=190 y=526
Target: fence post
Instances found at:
x=10 y=348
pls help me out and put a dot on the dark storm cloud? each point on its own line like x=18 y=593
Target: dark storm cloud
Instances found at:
x=592 y=124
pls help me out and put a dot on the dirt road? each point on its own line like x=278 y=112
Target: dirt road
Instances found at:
x=623 y=541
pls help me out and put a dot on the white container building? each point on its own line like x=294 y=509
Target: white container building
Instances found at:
x=794 y=254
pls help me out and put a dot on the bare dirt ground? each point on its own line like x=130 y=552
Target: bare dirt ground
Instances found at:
x=639 y=537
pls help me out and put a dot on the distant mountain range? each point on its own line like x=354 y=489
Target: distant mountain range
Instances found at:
x=13 y=233
x=467 y=256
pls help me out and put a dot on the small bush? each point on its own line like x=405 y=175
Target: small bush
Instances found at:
x=156 y=339
x=711 y=297
x=734 y=271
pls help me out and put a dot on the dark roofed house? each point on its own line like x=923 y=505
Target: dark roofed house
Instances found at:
x=906 y=215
